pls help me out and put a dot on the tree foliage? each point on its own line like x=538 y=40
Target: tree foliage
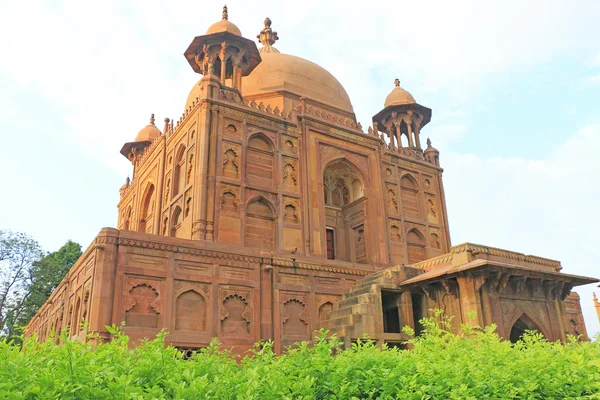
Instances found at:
x=475 y=364
x=18 y=252
x=27 y=277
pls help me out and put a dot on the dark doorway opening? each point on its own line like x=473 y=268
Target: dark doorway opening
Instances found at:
x=418 y=312
x=391 y=313
x=330 y=244
x=524 y=323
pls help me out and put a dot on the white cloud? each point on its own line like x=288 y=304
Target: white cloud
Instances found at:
x=592 y=80
x=543 y=207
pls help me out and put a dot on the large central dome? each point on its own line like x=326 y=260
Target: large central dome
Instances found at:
x=283 y=72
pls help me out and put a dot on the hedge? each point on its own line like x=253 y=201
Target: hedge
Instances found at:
x=475 y=364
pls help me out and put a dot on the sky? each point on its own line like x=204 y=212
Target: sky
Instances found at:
x=514 y=87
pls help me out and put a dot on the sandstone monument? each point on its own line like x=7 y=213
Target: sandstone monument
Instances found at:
x=266 y=211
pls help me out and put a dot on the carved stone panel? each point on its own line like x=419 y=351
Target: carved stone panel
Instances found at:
x=291 y=210
x=290 y=173
x=142 y=302
x=232 y=127
x=191 y=306
x=432 y=210
x=231 y=160
x=230 y=198
x=289 y=144
x=235 y=311
x=391 y=199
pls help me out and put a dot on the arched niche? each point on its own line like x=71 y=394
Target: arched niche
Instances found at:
x=343 y=194
x=409 y=189
x=127 y=223
x=323 y=311
x=343 y=183
x=415 y=242
x=178 y=175
x=260 y=160
x=190 y=311
x=522 y=324
x=176 y=222
x=260 y=224
x=146 y=209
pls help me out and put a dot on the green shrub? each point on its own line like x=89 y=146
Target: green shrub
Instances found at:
x=475 y=364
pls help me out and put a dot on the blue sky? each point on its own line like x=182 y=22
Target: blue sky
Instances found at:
x=514 y=88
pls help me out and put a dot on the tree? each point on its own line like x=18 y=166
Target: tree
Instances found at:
x=46 y=275
x=18 y=252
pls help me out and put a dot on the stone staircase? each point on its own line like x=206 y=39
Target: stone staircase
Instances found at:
x=360 y=311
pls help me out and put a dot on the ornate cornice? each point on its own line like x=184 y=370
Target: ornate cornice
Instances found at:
x=187 y=250
x=479 y=249
x=319 y=267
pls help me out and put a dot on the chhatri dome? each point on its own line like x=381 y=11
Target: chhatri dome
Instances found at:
x=398 y=96
x=224 y=25
x=279 y=72
x=149 y=132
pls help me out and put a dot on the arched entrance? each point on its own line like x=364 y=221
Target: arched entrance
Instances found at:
x=522 y=324
x=345 y=212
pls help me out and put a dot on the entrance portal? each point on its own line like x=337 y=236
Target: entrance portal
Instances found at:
x=524 y=323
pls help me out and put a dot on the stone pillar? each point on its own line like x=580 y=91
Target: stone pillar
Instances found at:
x=469 y=299
x=266 y=302
x=417 y=132
x=212 y=157
x=411 y=142
x=102 y=296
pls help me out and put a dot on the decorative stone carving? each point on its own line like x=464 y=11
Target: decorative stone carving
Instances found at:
x=391 y=199
x=431 y=210
x=230 y=198
x=290 y=175
x=236 y=313
x=290 y=210
x=295 y=322
x=231 y=160
x=190 y=170
x=395 y=232
x=142 y=303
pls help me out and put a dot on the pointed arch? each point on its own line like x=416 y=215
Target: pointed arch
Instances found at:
x=176 y=218
x=415 y=242
x=178 y=175
x=76 y=319
x=343 y=182
x=146 y=209
x=409 y=188
x=127 y=223
x=523 y=323
x=323 y=311
x=260 y=223
x=260 y=160
x=190 y=311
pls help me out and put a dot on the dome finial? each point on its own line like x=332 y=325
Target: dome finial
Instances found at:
x=225 y=14
x=152 y=119
x=268 y=37
x=397 y=82
x=428 y=143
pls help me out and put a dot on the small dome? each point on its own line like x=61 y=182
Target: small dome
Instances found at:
x=224 y=25
x=430 y=148
x=149 y=132
x=279 y=71
x=398 y=96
